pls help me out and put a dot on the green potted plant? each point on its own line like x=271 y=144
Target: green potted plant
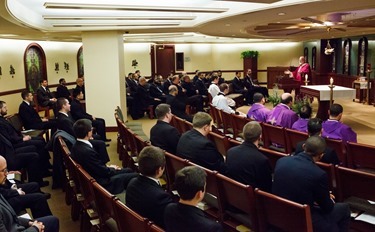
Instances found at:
x=298 y=103
x=274 y=98
x=249 y=54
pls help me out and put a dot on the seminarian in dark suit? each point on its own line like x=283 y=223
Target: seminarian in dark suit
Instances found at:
x=246 y=164
x=18 y=140
x=44 y=96
x=298 y=178
x=62 y=90
x=156 y=89
x=185 y=216
x=239 y=87
x=9 y=221
x=25 y=195
x=178 y=107
x=29 y=116
x=162 y=134
x=78 y=112
x=112 y=178
x=144 y=194
x=314 y=127
x=196 y=147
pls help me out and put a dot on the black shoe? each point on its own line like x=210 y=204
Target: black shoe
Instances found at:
x=47 y=195
x=44 y=183
x=107 y=140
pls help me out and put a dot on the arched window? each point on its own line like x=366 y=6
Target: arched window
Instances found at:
x=81 y=71
x=35 y=66
x=347 y=52
x=306 y=54
x=362 y=56
x=313 y=62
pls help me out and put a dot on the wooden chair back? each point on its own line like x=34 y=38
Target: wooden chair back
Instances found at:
x=212 y=192
x=340 y=149
x=361 y=156
x=39 y=108
x=104 y=204
x=285 y=215
x=239 y=123
x=233 y=194
x=233 y=143
x=174 y=123
x=221 y=142
x=173 y=163
x=155 y=228
x=293 y=137
x=273 y=156
x=330 y=170
x=219 y=120
x=227 y=123
x=85 y=186
x=128 y=219
x=274 y=135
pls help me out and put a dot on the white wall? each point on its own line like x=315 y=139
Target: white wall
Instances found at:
x=197 y=56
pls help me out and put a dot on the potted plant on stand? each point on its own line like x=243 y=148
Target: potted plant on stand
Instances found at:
x=250 y=61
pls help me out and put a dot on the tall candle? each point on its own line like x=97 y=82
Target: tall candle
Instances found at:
x=306 y=77
x=331 y=81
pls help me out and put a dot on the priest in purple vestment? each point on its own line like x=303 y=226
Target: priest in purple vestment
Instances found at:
x=282 y=115
x=301 y=123
x=334 y=129
x=258 y=111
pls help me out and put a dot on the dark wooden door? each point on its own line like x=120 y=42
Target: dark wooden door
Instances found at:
x=162 y=60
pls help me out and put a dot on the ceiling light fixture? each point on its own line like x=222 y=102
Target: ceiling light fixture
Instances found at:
x=115 y=25
x=281 y=13
x=46 y=17
x=77 y=6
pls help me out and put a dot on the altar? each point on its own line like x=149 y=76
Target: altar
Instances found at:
x=322 y=92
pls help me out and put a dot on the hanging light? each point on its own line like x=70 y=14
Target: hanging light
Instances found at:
x=328 y=50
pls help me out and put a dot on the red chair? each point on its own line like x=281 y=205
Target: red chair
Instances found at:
x=238 y=203
x=227 y=123
x=239 y=123
x=361 y=156
x=282 y=214
x=40 y=108
x=221 y=142
x=340 y=149
x=128 y=219
x=172 y=165
x=273 y=156
x=293 y=137
x=274 y=138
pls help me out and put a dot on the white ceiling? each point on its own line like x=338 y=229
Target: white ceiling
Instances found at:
x=184 y=21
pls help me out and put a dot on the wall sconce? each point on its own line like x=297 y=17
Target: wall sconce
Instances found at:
x=12 y=71
x=66 y=66
x=57 y=67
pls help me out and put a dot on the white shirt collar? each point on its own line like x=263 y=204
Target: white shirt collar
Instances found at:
x=64 y=113
x=85 y=141
x=27 y=102
x=152 y=178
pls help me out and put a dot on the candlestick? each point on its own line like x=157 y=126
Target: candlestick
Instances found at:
x=331 y=81
x=306 y=77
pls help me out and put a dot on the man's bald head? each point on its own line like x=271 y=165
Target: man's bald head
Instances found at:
x=2 y=161
x=286 y=98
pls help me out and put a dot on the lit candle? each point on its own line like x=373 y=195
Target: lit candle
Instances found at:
x=331 y=81
x=306 y=77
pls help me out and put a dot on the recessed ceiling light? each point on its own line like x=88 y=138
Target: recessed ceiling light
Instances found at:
x=281 y=13
x=227 y=25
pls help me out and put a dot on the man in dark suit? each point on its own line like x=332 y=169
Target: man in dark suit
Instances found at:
x=9 y=221
x=23 y=157
x=253 y=85
x=162 y=134
x=298 y=178
x=65 y=122
x=78 y=112
x=184 y=216
x=144 y=99
x=178 y=107
x=144 y=194
x=246 y=164
x=196 y=147
x=19 y=140
x=200 y=85
x=112 y=177
x=44 y=96
x=156 y=89
x=29 y=116
x=239 y=87
x=25 y=195
x=62 y=90
x=314 y=127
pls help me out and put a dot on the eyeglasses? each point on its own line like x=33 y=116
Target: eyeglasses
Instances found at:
x=5 y=170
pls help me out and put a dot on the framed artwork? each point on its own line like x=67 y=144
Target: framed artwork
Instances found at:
x=347 y=52
x=362 y=56
x=179 y=61
x=35 y=66
x=313 y=62
x=81 y=71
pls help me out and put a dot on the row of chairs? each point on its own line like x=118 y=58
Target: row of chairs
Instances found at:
x=352 y=155
x=238 y=206
x=98 y=209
